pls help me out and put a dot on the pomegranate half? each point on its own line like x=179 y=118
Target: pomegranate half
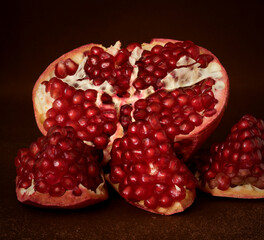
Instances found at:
x=100 y=91
x=59 y=171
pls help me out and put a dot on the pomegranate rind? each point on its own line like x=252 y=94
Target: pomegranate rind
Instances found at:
x=246 y=191
x=77 y=56
x=67 y=201
x=177 y=207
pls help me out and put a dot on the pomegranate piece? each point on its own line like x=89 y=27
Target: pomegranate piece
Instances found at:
x=59 y=171
x=146 y=172
x=100 y=91
x=235 y=168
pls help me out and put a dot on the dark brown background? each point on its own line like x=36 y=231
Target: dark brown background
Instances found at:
x=34 y=33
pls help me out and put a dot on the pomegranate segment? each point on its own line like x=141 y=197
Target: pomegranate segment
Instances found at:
x=235 y=168
x=147 y=173
x=60 y=171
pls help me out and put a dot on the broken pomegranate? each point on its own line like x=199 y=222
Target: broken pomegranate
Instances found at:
x=146 y=172
x=235 y=168
x=100 y=91
x=60 y=171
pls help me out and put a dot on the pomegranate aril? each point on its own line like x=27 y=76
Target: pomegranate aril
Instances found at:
x=77 y=191
x=195 y=119
x=57 y=88
x=151 y=202
x=204 y=60
x=48 y=123
x=71 y=67
x=194 y=51
x=165 y=201
x=78 y=97
x=41 y=186
x=68 y=183
x=209 y=112
x=60 y=70
x=61 y=104
x=101 y=141
x=90 y=95
x=56 y=190
x=106 y=98
x=186 y=127
x=69 y=91
x=223 y=181
x=176 y=193
x=156 y=49
x=93 y=60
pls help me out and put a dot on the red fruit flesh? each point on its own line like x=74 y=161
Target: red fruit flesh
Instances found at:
x=146 y=172
x=59 y=171
x=235 y=168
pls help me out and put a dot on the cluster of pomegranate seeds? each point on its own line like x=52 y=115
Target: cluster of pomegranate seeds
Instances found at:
x=116 y=70
x=146 y=169
x=240 y=159
x=155 y=64
x=178 y=111
x=58 y=162
x=77 y=108
x=66 y=68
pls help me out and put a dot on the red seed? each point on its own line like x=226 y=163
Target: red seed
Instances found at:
x=165 y=201
x=48 y=123
x=61 y=104
x=186 y=127
x=156 y=49
x=209 y=112
x=61 y=119
x=223 y=181
x=56 y=190
x=69 y=91
x=71 y=67
x=195 y=119
x=101 y=141
x=151 y=202
x=141 y=104
x=60 y=70
x=96 y=50
x=183 y=99
x=74 y=113
x=90 y=95
x=78 y=97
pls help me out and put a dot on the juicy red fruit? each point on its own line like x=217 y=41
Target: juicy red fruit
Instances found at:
x=239 y=160
x=147 y=171
x=93 y=89
x=56 y=164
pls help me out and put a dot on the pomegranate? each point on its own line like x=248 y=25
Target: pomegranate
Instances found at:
x=100 y=91
x=235 y=167
x=146 y=172
x=60 y=171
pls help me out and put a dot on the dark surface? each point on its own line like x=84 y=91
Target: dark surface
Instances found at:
x=33 y=34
